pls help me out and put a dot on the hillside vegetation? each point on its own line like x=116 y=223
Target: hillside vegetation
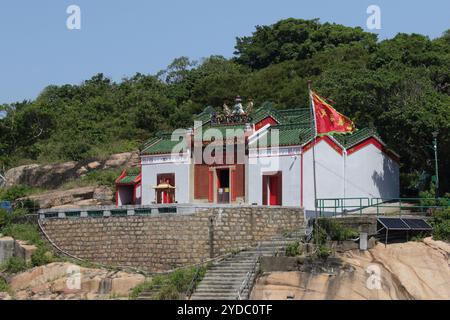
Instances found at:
x=400 y=86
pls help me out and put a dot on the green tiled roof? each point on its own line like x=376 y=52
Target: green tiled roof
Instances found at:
x=294 y=129
x=222 y=129
x=161 y=144
x=351 y=139
x=131 y=175
x=290 y=134
x=267 y=109
x=205 y=115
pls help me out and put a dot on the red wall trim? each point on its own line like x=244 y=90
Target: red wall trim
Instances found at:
x=233 y=185
x=377 y=144
x=210 y=186
x=301 y=179
x=355 y=148
x=328 y=140
x=263 y=122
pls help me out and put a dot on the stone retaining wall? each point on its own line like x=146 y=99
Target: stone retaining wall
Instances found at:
x=164 y=241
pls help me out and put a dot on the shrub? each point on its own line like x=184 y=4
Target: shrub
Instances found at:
x=335 y=230
x=442 y=231
x=168 y=292
x=4 y=216
x=171 y=286
x=41 y=256
x=15 y=192
x=293 y=249
x=146 y=285
x=14 y=265
x=4 y=286
x=323 y=251
x=23 y=231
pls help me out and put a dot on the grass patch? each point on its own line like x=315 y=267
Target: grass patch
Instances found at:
x=95 y=177
x=293 y=249
x=14 y=265
x=27 y=232
x=441 y=224
x=23 y=231
x=169 y=287
x=4 y=286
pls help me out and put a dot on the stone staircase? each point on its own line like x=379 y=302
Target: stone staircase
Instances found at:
x=233 y=277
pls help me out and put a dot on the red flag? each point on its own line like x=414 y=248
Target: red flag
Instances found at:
x=328 y=120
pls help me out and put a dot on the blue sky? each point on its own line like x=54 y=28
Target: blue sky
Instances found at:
x=120 y=38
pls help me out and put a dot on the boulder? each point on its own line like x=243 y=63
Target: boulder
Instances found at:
x=90 y=195
x=23 y=250
x=6 y=248
x=123 y=283
x=51 y=176
x=57 y=281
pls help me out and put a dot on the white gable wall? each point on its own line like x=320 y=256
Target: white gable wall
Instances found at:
x=329 y=174
x=154 y=165
x=288 y=163
x=371 y=173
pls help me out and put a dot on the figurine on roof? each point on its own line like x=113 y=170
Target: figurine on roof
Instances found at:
x=238 y=109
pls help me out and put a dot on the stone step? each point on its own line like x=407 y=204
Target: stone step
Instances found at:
x=220 y=281
x=227 y=274
x=217 y=290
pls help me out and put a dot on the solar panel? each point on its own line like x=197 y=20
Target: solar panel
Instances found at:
x=394 y=223
x=417 y=224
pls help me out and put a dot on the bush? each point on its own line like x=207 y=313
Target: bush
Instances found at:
x=335 y=230
x=14 y=265
x=293 y=249
x=170 y=287
x=15 y=192
x=4 y=216
x=323 y=251
x=441 y=224
x=23 y=231
x=428 y=198
x=4 y=286
x=41 y=256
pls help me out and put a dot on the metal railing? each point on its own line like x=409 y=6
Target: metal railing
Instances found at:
x=378 y=206
x=251 y=275
x=194 y=280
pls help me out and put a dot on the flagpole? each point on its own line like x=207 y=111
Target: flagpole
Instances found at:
x=314 y=127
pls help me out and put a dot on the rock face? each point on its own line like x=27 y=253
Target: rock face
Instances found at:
x=412 y=270
x=6 y=248
x=74 y=198
x=15 y=248
x=54 y=175
x=62 y=281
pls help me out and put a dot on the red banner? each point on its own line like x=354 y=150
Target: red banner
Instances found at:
x=328 y=120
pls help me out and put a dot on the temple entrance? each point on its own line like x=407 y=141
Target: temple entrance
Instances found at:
x=223 y=185
x=272 y=189
x=125 y=195
x=165 y=190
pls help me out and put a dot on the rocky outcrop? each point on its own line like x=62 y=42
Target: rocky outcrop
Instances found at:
x=412 y=270
x=61 y=281
x=51 y=176
x=74 y=198
x=15 y=248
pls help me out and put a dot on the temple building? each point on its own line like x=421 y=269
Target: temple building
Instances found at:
x=261 y=156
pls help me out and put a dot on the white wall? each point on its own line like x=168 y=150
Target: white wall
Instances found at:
x=371 y=173
x=138 y=194
x=368 y=173
x=288 y=164
x=329 y=174
x=149 y=179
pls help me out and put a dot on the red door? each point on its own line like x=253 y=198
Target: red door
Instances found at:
x=272 y=188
